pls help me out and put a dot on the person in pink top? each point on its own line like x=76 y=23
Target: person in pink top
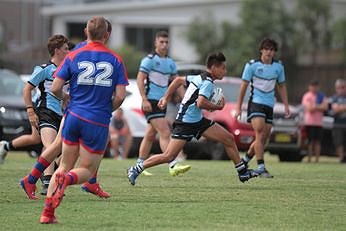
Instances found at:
x=315 y=104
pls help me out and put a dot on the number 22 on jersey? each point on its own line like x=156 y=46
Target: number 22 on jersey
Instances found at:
x=87 y=75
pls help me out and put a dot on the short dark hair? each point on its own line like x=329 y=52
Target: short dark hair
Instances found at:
x=314 y=82
x=216 y=58
x=161 y=34
x=55 y=42
x=268 y=43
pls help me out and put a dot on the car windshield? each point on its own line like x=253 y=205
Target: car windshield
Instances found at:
x=231 y=91
x=10 y=84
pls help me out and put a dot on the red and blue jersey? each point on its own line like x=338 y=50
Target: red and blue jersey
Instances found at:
x=93 y=72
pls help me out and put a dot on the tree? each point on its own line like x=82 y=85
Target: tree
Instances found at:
x=131 y=58
x=339 y=37
x=313 y=17
x=259 y=19
x=206 y=35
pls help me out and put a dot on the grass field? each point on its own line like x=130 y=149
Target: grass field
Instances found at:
x=301 y=196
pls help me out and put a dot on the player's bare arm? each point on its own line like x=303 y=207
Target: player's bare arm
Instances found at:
x=33 y=118
x=242 y=92
x=177 y=83
x=57 y=86
x=283 y=95
x=141 y=78
x=204 y=103
x=119 y=96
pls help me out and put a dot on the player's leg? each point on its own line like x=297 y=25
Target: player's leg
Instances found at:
x=161 y=125
x=147 y=142
x=262 y=131
x=146 y=145
x=171 y=152
x=91 y=185
x=59 y=181
x=21 y=141
x=48 y=135
x=219 y=134
x=28 y=182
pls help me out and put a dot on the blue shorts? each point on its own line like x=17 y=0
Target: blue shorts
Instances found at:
x=92 y=137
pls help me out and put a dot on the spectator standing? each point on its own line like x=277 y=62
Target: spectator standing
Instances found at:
x=315 y=104
x=338 y=109
x=120 y=135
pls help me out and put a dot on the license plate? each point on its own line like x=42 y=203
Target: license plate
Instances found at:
x=282 y=138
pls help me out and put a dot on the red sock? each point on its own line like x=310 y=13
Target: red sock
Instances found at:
x=38 y=169
x=71 y=178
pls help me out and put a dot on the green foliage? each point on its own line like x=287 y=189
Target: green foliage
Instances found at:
x=259 y=19
x=205 y=33
x=301 y=196
x=304 y=29
x=313 y=17
x=131 y=58
x=339 y=36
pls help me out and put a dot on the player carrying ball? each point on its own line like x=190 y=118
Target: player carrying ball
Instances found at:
x=190 y=122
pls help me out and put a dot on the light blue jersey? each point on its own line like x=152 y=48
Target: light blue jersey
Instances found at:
x=263 y=78
x=42 y=77
x=197 y=85
x=159 y=71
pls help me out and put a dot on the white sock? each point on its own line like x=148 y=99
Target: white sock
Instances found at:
x=172 y=163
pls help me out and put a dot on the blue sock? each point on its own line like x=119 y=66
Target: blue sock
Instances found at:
x=92 y=180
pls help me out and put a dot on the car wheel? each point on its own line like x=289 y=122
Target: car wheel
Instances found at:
x=290 y=156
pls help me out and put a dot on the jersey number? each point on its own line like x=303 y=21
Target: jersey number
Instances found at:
x=86 y=77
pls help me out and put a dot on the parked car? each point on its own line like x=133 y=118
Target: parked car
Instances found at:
x=288 y=138
x=13 y=117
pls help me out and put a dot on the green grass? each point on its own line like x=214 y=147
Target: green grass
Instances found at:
x=301 y=196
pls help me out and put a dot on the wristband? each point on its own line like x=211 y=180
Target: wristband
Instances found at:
x=29 y=107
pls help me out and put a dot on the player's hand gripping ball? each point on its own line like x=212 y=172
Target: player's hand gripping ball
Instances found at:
x=216 y=96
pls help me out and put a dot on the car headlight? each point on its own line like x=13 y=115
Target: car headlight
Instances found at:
x=13 y=114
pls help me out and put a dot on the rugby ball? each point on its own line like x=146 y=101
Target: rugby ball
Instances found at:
x=216 y=96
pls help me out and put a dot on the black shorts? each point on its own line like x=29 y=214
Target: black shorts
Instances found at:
x=339 y=136
x=314 y=133
x=156 y=112
x=186 y=131
x=259 y=110
x=48 y=118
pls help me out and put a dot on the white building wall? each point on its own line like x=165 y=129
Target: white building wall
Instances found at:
x=176 y=15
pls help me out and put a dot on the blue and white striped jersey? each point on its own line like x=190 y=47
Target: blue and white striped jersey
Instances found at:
x=42 y=77
x=159 y=71
x=197 y=85
x=263 y=78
